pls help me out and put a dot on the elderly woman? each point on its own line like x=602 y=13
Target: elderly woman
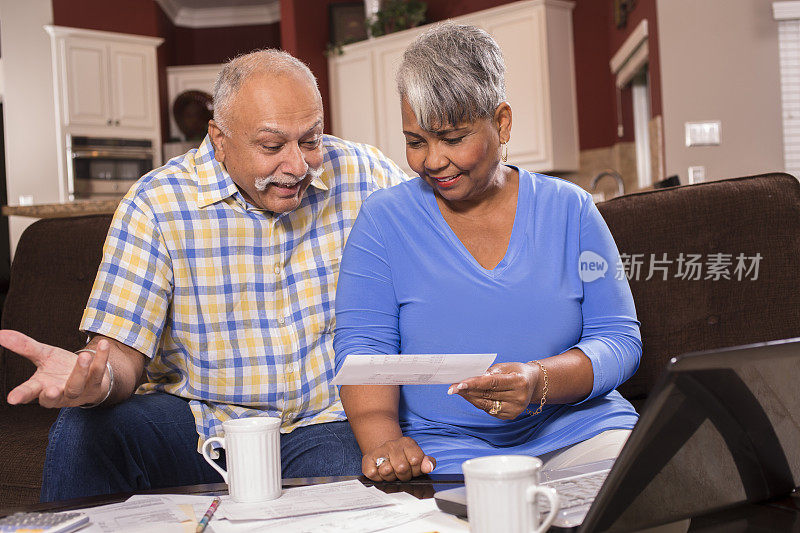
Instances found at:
x=476 y=256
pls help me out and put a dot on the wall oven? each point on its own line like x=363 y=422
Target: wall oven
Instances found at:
x=105 y=168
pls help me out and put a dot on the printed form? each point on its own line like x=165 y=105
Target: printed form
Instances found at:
x=412 y=369
x=314 y=499
x=405 y=515
x=140 y=513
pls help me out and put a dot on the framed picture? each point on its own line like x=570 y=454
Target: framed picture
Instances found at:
x=346 y=22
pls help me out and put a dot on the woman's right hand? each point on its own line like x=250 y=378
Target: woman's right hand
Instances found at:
x=404 y=459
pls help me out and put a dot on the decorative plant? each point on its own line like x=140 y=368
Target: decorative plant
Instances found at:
x=397 y=15
x=333 y=50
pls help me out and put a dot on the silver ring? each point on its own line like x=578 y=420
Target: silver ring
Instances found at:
x=380 y=460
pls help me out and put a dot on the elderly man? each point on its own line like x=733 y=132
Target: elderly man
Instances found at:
x=214 y=299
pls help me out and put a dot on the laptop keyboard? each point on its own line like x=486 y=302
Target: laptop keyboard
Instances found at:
x=576 y=491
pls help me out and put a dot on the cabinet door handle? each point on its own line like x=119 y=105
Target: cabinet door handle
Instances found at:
x=116 y=122
x=108 y=122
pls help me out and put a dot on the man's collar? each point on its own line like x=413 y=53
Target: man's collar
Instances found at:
x=214 y=182
x=325 y=179
x=321 y=182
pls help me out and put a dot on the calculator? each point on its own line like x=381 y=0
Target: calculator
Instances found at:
x=43 y=522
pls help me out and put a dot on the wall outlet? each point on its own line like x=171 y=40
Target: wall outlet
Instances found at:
x=25 y=199
x=697 y=174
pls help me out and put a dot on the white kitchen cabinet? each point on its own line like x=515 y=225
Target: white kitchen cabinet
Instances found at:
x=536 y=39
x=105 y=86
x=105 y=80
x=134 y=90
x=85 y=91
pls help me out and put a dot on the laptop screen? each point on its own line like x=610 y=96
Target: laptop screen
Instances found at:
x=720 y=428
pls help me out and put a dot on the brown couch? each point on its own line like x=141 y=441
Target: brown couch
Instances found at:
x=56 y=261
x=53 y=270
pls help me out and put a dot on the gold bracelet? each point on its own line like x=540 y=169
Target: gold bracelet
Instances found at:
x=544 y=391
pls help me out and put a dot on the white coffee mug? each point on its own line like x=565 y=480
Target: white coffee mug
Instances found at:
x=501 y=494
x=253 y=456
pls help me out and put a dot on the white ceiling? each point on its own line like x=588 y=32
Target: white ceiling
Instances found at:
x=216 y=13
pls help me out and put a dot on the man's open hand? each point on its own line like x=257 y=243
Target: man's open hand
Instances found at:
x=62 y=378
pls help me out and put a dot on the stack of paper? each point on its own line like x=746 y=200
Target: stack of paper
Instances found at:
x=346 y=506
x=406 y=514
x=139 y=513
x=314 y=499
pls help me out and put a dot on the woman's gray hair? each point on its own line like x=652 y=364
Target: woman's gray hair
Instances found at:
x=452 y=73
x=239 y=69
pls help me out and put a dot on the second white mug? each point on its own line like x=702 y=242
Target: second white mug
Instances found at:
x=253 y=457
x=501 y=494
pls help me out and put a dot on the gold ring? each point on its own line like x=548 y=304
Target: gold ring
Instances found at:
x=496 y=406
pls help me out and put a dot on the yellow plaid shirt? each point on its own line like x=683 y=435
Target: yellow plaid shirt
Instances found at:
x=232 y=304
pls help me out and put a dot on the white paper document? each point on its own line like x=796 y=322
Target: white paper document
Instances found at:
x=195 y=505
x=412 y=369
x=405 y=509
x=315 y=499
x=142 y=513
x=429 y=519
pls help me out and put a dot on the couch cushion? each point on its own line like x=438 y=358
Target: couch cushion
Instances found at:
x=23 y=434
x=749 y=216
x=54 y=267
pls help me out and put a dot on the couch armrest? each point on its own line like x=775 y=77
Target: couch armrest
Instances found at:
x=748 y=215
x=52 y=273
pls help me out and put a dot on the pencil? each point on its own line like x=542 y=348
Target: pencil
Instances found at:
x=201 y=525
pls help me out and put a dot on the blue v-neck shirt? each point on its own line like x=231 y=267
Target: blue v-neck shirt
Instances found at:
x=408 y=285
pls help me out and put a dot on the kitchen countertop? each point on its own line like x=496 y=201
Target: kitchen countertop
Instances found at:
x=67 y=209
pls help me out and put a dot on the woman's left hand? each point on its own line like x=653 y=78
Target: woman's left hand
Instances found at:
x=510 y=384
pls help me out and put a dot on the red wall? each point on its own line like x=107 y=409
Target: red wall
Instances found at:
x=596 y=40
x=645 y=9
x=594 y=82
x=140 y=17
x=305 y=34
x=199 y=46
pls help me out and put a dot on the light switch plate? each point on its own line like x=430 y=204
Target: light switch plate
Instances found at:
x=703 y=133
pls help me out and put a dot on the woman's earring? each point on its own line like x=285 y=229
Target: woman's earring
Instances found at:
x=504 y=152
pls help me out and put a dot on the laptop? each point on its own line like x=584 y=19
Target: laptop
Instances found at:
x=721 y=428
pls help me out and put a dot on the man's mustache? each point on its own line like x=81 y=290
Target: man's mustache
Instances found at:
x=286 y=180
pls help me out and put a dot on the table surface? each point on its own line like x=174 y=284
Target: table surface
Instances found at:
x=782 y=514
x=423 y=487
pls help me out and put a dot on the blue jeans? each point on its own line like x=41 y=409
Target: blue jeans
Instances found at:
x=150 y=441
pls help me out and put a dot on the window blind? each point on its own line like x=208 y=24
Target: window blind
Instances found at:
x=789 y=49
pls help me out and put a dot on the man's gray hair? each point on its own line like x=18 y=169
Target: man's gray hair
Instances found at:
x=452 y=73
x=239 y=69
